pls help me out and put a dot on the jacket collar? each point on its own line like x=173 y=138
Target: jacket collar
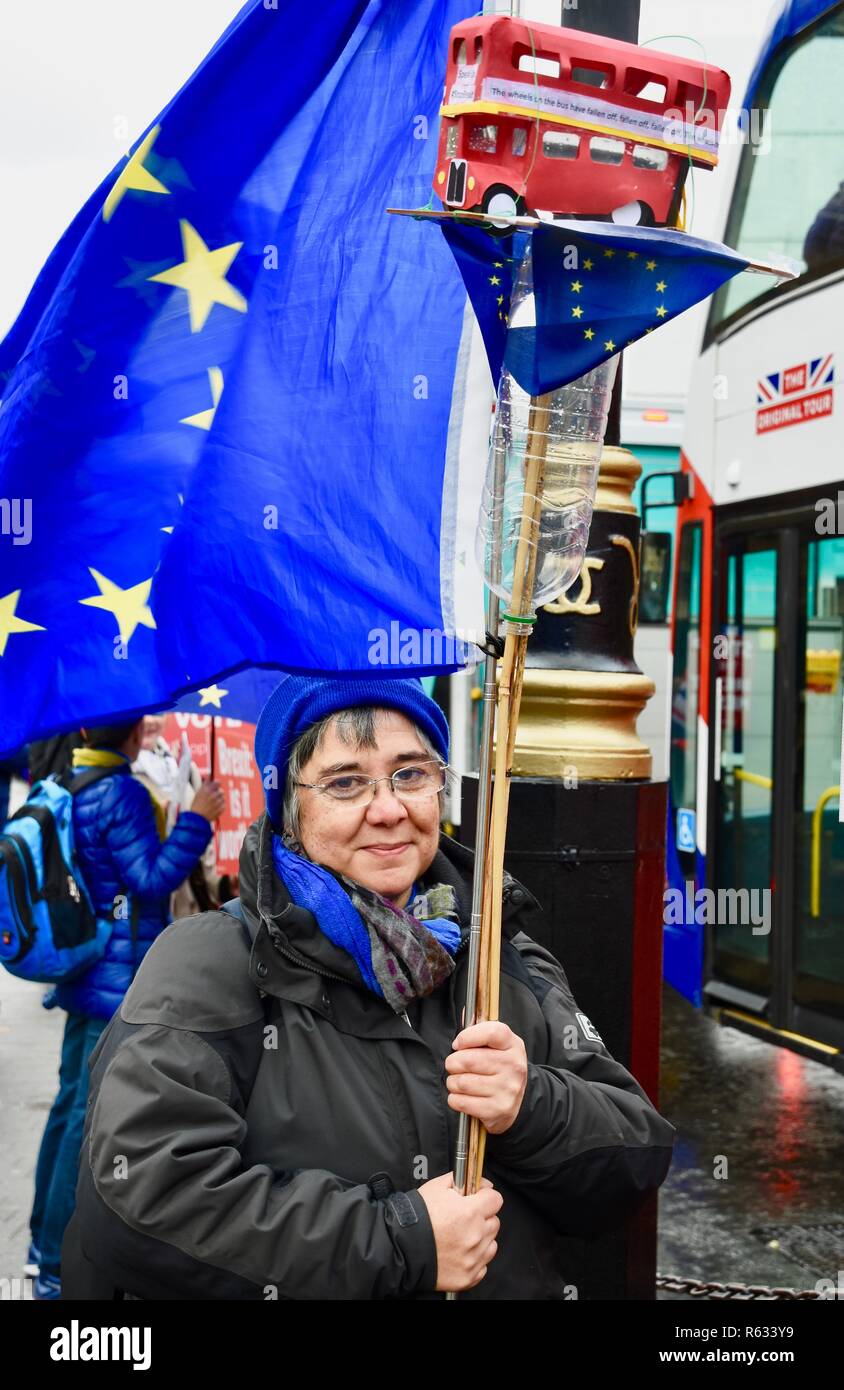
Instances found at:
x=293 y=931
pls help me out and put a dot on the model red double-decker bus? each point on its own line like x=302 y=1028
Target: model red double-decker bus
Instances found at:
x=538 y=117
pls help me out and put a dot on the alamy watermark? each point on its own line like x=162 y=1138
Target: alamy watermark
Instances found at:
x=829 y=520
x=710 y=907
x=412 y=646
x=79 y=1342
x=736 y=126
x=16 y=519
x=16 y=1289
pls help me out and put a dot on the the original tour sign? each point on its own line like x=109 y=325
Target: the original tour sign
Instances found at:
x=795 y=394
x=234 y=769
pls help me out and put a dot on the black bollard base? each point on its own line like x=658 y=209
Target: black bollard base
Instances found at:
x=594 y=857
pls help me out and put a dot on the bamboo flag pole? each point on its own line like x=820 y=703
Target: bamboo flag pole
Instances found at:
x=509 y=700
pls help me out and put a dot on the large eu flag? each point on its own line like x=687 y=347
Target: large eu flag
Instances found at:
x=227 y=403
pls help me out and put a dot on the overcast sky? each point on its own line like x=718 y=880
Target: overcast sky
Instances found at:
x=77 y=75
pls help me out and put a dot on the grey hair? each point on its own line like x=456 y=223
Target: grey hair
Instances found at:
x=354 y=726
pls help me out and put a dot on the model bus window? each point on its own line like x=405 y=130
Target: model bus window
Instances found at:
x=788 y=200
x=483 y=139
x=593 y=77
x=519 y=140
x=685 y=687
x=543 y=67
x=649 y=157
x=605 y=150
x=646 y=86
x=559 y=144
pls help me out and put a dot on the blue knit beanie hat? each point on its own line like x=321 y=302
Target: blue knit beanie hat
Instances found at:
x=303 y=700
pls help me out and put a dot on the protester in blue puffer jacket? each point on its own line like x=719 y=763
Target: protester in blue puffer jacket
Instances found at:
x=130 y=870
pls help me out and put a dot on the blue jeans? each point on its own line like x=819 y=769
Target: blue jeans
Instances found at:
x=58 y=1157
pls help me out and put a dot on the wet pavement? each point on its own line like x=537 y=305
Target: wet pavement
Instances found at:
x=755 y=1193
x=30 y=1043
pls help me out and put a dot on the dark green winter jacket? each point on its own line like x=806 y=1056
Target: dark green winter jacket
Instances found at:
x=259 y=1121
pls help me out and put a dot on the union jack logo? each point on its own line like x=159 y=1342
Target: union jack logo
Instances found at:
x=802 y=378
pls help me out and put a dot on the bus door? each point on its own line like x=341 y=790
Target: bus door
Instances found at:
x=817 y=982
x=776 y=872
x=745 y=685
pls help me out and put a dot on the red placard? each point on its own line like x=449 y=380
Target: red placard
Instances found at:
x=234 y=769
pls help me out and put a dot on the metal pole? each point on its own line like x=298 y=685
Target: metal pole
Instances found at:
x=481 y=829
x=511 y=8
x=490 y=7
x=618 y=19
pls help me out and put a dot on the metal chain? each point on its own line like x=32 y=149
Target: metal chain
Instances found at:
x=710 y=1288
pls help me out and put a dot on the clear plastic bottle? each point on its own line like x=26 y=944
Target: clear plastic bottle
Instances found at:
x=568 y=427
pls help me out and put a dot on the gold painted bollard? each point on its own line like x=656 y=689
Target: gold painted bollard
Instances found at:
x=583 y=692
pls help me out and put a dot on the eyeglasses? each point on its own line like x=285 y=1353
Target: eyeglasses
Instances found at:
x=407 y=783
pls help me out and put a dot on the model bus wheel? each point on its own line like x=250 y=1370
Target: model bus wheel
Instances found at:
x=501 y=201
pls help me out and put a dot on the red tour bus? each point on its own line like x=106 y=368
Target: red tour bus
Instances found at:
x=535 y=116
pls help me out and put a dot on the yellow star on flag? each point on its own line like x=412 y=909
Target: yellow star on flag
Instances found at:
x=587 y=265
x=589 y=333
x=129 y=606
x=661 y=311
x=212 y=695
x=660 y=286
x=205 y=418
x=576 y=286
x=609 y=253
x=632 y=255
x=577 y=312
x=495 y=279
x=202 y=275
x=133 y=175
x=610 y=346
x=9 y=624
x=650 y=265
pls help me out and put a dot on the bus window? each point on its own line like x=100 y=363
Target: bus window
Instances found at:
x=519 y=141
x=593 y=77
x=542 y=67
x=605 y=150
x=647 y=86
x=451 y=139
x=483 y=139
x=560 y=144
x=689 y=94
x=788 y=198
x=685 y=688
x=649 y=157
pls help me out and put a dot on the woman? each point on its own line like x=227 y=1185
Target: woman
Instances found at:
x=276 y=1103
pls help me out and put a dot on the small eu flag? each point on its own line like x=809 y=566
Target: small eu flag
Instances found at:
x=599 y=287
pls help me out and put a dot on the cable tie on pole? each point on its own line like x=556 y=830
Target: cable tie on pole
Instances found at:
x=493 y=646
x=517 y=618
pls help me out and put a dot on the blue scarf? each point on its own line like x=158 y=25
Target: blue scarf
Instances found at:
x=401 y=954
